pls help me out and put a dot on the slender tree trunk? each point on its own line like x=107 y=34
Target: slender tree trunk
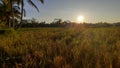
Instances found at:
x=8 y=21
x=12 y=11
x=9 y=24
x=22 y=8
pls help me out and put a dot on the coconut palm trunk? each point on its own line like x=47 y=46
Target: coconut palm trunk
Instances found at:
x=12 y=13
x=22 y=8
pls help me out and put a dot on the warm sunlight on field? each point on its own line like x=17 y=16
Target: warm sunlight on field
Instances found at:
x=80 y=19
x=60 y=48
x=59 y=34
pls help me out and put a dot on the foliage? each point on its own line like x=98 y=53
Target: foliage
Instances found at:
x=23 y=11
x=61 y=48
x=27 y=23
x=9 y=11
x=12 y=10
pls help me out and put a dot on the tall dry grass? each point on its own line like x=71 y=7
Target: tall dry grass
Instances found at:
x=61 y=48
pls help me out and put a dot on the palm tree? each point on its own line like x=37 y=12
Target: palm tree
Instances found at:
x=8 y=10
x=12 y=11
x=7 y=16
x=4 y=15
x=23 y=10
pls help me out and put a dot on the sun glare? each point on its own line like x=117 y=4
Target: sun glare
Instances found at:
x=80 y=19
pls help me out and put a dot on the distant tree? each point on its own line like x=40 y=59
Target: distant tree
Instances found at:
x=43 y=22
x=66 y=22
x=116 y=24
x=57 y=21
x=33 y=20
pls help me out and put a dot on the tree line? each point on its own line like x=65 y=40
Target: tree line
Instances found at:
x=33 y=23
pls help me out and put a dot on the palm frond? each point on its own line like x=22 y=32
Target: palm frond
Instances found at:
x=42 y=1
x=17 y=16
x=19 y=2
x=32 y=4
x=24 y=11
x=16 y=7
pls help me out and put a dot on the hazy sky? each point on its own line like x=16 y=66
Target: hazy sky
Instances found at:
x=92 y=10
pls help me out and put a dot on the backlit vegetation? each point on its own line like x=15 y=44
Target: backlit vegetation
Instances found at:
x=60 y=48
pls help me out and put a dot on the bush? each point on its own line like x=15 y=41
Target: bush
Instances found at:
x=7 y=31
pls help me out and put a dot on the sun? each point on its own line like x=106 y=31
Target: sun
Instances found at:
x=80 y=19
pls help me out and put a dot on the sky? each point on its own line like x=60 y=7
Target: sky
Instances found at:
x=93 y=10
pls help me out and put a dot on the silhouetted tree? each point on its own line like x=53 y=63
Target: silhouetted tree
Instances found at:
x=9 y=12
